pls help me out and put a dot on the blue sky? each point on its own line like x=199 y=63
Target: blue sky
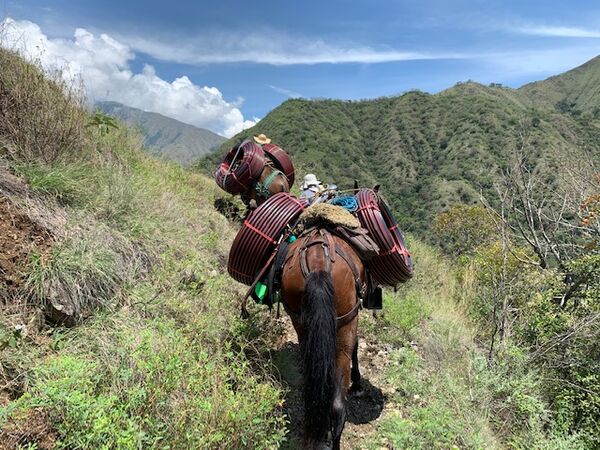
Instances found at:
x=257 y=54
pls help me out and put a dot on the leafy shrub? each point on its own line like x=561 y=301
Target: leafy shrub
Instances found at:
x=462 y=229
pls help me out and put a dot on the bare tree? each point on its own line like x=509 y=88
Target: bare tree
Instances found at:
x=555 y=219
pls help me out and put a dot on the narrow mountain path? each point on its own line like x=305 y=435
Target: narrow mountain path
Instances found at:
x=363 y=409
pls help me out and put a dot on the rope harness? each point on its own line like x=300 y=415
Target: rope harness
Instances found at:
x=262 y=187
x=281 y=160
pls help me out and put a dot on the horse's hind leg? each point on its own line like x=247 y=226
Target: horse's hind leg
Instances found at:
x=345 y=343
x=338 y=414
x=355 y=374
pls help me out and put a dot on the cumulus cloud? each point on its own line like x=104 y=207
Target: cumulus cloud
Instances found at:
x=102 y=63
x=262 y=48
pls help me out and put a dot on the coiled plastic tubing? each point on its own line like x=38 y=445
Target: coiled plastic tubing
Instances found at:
x=281 y=159
x=240 y=168
x=394 y=263
x=260 y=234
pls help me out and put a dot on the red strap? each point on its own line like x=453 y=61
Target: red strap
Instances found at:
x=299 y=203
x=369 y=206
x=237 y=271
x=259 y=232
x=397 y=248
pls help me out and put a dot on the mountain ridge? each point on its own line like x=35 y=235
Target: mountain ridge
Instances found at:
x=166 y=137
x=577 y=89
x=430 y=151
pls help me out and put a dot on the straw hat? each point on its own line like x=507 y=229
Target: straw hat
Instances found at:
x=262 y=139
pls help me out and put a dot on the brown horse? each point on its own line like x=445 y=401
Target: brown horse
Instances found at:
x=323 y=281
x=271 y=181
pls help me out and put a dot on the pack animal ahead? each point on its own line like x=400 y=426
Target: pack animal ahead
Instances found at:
x=255 y=169
x=325 y=263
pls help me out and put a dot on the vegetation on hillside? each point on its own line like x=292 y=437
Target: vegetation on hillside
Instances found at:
x=120 y=329
x=576 y=91
x=165 y=137
x=429 y=152
x=533 y=267
x=130 y=251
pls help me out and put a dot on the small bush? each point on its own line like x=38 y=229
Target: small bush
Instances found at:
x=80 y=275
x=64 y=182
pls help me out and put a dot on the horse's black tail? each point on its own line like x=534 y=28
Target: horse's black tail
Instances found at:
x=318 y=354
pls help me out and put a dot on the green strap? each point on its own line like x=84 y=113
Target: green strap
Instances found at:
x=262 y=189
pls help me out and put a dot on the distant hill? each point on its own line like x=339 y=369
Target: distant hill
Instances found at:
x=575 y=90
x=430 y=152
x=166 y=137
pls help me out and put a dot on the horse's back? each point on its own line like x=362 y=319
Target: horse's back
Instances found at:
x=330 y=253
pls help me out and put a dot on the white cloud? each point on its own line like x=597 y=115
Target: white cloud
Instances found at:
x=288 y=93
x=103 y=64
x=539 y=62
x=550 y=31
x=269 y=48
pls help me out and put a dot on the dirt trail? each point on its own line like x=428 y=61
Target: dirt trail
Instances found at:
x=364 y=409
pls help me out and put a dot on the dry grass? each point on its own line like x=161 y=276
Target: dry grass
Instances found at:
x=335 y=215
x=42 y=117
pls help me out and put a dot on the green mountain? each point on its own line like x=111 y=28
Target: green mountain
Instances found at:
x=577 y=90
x=430 y=152
x=165 y=137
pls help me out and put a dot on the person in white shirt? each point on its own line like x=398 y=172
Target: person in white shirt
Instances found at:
x=311 y=187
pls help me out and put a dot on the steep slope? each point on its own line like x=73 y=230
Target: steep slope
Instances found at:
x=575 y=90
x=165 y=137
x=94 y=228
x=429 y=152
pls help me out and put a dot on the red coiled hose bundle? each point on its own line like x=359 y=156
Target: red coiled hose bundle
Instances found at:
x=282 y=160
x=259 y=234
x=240 y=168
x=394 y=264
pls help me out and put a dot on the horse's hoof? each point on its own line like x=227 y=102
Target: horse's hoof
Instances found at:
x=357 y=392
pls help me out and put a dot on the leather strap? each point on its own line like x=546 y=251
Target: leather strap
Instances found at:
x=330 y=250
x=347 y=318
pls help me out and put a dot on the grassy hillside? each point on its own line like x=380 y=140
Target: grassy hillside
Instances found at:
x=128 y=253
x=429 y=152
x=120 y=329
x=165 y=137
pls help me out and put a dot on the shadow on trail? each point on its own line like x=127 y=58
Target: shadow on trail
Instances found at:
x=365 y=406
x=286 y=360
x=362 y=407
